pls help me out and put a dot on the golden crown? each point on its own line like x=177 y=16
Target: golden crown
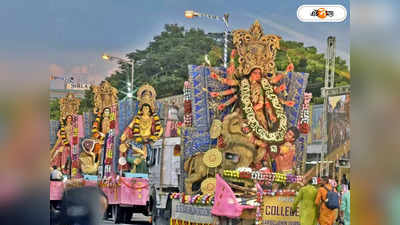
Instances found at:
x=105 y=96
x=147 y=95
x=69 y=105
x=255 y=50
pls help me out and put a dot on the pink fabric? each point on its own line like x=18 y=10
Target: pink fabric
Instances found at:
x=56 y=190
x=171 y=129
x=91 y=183
x=112 y=195
x=137 y=193
x=226 y=203
x=81 y=131
x=115 y=110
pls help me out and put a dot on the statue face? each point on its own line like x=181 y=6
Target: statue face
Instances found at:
x=256 y=72
x=146 y=110
x=69 y=119
x=289 y=136
x=106 y=112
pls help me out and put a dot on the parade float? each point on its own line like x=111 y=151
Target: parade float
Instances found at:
x=115 y=161
x=244 y=138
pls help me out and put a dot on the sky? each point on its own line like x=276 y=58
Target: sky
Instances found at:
x=53 y=37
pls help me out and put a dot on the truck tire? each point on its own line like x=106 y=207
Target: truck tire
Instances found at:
x=117 y=213
x=127 y=215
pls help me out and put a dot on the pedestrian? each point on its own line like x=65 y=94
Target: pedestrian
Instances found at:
x=345 y=208
x=308 y=209
x=56 y=174
x=326 y=216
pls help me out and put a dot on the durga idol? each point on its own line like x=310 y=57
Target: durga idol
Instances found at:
x=142 y=131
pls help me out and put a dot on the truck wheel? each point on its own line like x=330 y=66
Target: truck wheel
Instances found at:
x=153 y=208
x=117 y=213
x=147 y=209
x=127 y=215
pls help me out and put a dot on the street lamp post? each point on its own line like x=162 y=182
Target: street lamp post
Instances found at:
x=190 y=14
x=129 y=62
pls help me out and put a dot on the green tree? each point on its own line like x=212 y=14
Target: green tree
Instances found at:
x=87 y=104
x=54 y=109
x=164 y=63
x=307 y=59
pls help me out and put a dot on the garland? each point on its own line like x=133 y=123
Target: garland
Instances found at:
x=259 y=209
x=282 y=192
x=63 y=133
x=136 y=128
x=264 y=176
x=183 y=222
x=247 y=106
x=304 y=120
x=193 y=199
x=95 y=129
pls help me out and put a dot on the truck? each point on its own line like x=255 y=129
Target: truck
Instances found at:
x=164 y=177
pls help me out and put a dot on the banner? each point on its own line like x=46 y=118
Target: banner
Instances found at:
x=338 y=121
x=277 y=210
x=191 y=213
x=316 y=124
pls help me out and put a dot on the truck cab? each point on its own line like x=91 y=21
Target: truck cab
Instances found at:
x=164 y=177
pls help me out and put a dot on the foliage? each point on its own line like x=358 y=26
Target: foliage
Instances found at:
x=87 y=103
x=307 y=59
x=54 y=108
x=164 y=62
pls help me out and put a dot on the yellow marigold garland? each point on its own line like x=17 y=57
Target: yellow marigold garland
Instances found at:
x=247 y=106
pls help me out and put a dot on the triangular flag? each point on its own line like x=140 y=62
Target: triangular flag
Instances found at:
x=226 y=203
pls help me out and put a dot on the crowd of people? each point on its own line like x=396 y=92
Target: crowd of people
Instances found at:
x=324 y=202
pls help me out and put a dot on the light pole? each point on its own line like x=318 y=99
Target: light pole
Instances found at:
x=190 y=14
x=129 y=62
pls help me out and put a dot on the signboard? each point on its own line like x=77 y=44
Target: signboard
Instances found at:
x=277 y=210
x=191 y=213
x=316 y=124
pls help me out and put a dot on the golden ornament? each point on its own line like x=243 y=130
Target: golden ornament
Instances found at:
x=123 y=147
x=212 y=158
x=215 y=130
x=208 y=186
x=255 y=50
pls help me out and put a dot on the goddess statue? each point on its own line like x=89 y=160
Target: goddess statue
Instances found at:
x=142 y=131
x=64 y=153
x=106 y=107
x=254 y=84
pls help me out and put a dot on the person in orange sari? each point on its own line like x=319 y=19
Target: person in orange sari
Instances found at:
x=326 y=216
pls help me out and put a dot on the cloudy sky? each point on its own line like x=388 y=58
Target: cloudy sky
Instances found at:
x=44 y=37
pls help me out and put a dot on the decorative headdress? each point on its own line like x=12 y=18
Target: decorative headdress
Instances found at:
x=105 y=96
x=255 y=50
x=69 y=105
x=147 y=95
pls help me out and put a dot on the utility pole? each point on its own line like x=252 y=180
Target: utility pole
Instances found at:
x=329 y=84
x=330 y=90
x=330 y=63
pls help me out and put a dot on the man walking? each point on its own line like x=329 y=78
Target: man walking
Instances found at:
x=308 y=209
x=326 y=216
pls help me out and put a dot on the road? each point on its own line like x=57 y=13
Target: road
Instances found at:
x=137 y=219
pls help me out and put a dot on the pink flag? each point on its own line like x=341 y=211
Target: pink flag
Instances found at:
x=225 y=202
